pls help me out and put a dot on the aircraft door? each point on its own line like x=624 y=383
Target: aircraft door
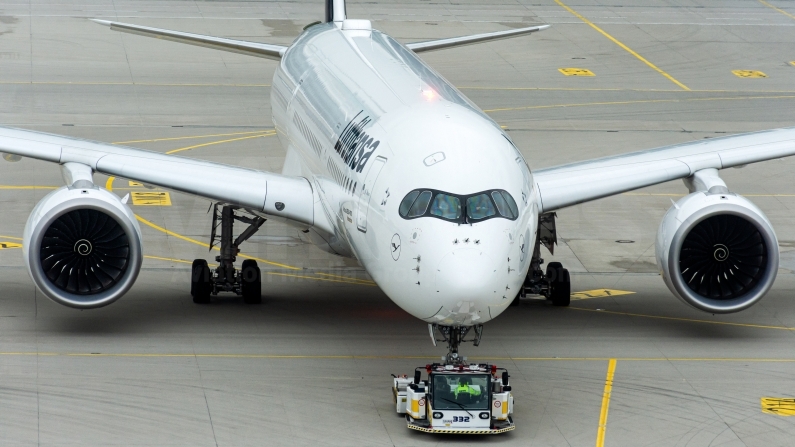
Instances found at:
x=367 y=192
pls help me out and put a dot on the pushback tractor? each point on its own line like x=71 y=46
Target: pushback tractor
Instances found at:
x=456 y=399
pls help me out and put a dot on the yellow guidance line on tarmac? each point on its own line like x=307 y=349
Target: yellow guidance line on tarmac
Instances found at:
x=690 y=320
x=193 y=137
x=626 y=48
x=777 y=9
x=600 y=433
x=270 y=134
x=640 y=101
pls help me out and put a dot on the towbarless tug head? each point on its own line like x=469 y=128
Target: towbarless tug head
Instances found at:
x=456 y=399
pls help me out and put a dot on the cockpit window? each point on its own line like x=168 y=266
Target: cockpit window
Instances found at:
x=505 y=204
x=420 y=205
x=480 y=207
x=405 y=205
x=446 y=206
x=468 y=208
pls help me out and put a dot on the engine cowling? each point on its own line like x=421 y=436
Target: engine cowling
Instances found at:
x=717 y=252
x=82 y=247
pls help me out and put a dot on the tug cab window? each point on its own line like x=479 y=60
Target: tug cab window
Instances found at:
x=458 y=208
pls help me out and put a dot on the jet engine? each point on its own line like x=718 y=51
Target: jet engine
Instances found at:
x=82 y=246
x=717 y=251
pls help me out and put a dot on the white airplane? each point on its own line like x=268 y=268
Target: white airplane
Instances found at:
x=390 y=164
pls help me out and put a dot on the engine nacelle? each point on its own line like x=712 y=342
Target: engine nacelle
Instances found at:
x=717 y=251
x=82 y=247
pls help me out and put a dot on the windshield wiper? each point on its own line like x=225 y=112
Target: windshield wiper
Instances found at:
x=454 y=402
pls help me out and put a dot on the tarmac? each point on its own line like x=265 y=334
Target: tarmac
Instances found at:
x=627 y=364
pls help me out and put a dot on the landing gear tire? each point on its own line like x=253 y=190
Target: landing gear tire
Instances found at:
x=200 y=285
x=251 y=282
x=559 y=284
x=516 y=300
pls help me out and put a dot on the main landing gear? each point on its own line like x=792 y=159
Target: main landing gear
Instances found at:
x=555 y=282
x=225 y=278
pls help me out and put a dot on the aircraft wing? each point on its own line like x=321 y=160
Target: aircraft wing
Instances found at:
x=575 y=183
x=441 y=44
x=274 y=194
x=257 y=49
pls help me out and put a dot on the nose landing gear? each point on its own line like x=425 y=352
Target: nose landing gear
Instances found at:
x=454 y=336
x=226 y=278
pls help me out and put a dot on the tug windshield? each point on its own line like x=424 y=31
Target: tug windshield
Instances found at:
x=470 y=208
x=461 y=392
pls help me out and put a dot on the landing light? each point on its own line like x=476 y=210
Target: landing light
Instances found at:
x=429 y=94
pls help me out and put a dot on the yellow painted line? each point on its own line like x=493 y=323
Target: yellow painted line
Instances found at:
x=780 y=406
x=321 y=279
x=26 y=187
x=748 y=74
x=576 y=72
x=600 y=433
x=11 y=237
x=691 y=320
x=382 y=357
x=151 y=198
x=346 y=277
x=193 y=137
x=5 y=245
x=626 y=48
x=598 y=293
x=219 y=142
x=145 y=84
x=194 y=241
x=792 y=63
x=183 y=261
x=653 y=90
x=643 y=101
x=777 y=9
x=682 y=195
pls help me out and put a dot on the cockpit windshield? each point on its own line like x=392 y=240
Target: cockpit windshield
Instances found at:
x=461 y=392
x=459 y=208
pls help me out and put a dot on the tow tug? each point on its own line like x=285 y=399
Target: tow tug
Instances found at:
x=456 y=397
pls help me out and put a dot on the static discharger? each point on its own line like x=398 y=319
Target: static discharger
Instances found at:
x=749 y=74
x=598 y=293
x=780 y=406
x=154 y=198
x=576 y=72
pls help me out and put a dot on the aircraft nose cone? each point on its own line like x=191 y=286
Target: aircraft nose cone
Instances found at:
x=466 y=275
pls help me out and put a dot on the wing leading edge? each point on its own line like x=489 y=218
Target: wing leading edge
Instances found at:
x=575 y=183
x=268 y=51
x=274 y=194
x=441 y=44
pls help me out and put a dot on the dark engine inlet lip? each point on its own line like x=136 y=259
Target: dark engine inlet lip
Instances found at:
x=84 y=301
x=724 y=306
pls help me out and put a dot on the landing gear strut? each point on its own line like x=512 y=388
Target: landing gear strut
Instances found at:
x=454 y=336
x=555 y=283
x=248 y=280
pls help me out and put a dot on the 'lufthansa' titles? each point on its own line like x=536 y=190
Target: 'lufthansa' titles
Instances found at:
x=354 y=145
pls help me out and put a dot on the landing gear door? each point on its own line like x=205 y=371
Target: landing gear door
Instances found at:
x=367 y=192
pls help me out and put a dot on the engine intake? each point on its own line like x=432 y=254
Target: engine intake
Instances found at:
x=82 y=247
x=717 y=252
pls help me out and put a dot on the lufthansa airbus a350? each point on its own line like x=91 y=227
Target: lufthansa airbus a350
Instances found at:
x=390 y=164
